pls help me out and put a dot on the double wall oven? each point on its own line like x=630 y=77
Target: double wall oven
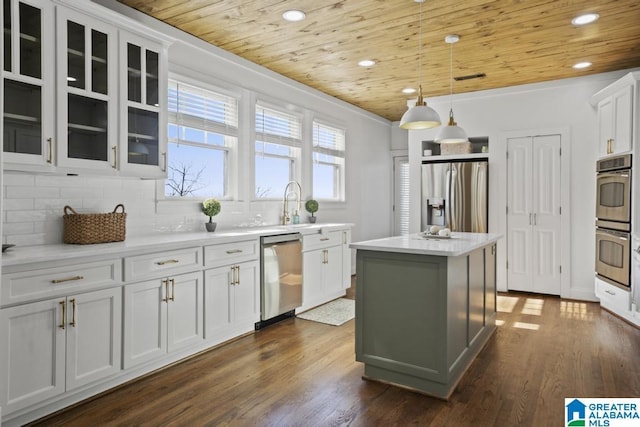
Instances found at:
x=613 y=220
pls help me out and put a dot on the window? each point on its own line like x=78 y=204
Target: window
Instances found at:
x=203 y=135
x=328 y=162
x=277 y=151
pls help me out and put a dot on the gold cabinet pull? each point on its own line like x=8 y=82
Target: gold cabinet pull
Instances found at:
x=324 y=239
x=50 y=147
x=344 y=237
x=115 y=157
x=173 y=289
x=169 y=261
x=73 y=312
x=165 y=282
x=234 y=251
x=238 y=275
x=64 y=314
x=67 y=279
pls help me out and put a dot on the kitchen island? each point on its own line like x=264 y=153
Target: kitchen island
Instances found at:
x=424 y=308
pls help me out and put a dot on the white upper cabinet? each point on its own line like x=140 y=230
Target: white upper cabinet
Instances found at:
x=143 y=95
x=616 y=106
x=87 y=92
x=28 y=76
x=84 y=93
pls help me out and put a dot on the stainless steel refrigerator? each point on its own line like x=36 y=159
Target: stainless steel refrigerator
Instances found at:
x=455 y=194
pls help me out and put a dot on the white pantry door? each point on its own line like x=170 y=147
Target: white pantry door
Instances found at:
x=534 y=214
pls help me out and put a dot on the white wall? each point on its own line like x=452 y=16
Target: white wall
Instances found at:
x=558 y=104
x=33 y=204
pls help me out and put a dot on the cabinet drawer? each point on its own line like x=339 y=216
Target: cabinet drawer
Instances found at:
x=58 y=281
x=319 y=241
x=162 y=263
x=612 y=297
x=228 y=253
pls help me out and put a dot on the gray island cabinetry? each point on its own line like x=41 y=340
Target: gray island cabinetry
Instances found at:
x=424 y=308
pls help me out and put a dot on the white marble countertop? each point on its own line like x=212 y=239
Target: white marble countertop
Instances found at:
x=458 y=244
x=19 y=255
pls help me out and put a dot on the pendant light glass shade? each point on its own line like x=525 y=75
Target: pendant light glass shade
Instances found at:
x=452 y=133
x=420 y=116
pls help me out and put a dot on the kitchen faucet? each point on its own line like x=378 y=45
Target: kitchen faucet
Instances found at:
x=285 y=201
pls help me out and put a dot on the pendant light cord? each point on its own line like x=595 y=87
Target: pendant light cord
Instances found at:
x=451 y=80
x=420 y=49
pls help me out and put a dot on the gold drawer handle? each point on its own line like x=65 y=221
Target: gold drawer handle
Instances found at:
x=169 y=261
x=324 y=239
x=611 y=293
x=68 y=279
x=234 y=251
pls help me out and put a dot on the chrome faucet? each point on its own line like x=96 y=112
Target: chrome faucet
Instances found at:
x=285 y=201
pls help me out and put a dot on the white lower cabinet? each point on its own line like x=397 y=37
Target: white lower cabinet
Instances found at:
x=231 y=300
x=161 y=316
x=323 y=278
x=56 y=345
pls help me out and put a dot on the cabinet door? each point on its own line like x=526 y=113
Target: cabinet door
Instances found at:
x=346 y=259
x=143 y=90
x=217 y=301
x=520 y=216
x=312 y=267
x=87 y=92
x=332 y=275
x=32 y=353
x=145 y=321
x=94 y=336
x=605 y=126
x=246 y=307
x=476 y=263
x=185 y=305
x=28 y=85
x=623 y=120
x=546 y=220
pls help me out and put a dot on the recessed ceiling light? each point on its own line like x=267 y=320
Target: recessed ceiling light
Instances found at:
x=581 y=65
x=587 y=18
x=408 y=90
x=294 y=15
x=366 y=63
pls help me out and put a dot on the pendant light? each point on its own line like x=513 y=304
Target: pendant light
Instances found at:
x=420 y=116
x=451 y=133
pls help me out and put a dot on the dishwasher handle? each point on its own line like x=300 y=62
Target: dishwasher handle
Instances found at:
x=281 y=238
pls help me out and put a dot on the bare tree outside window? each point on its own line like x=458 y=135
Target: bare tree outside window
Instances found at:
x=183 y=181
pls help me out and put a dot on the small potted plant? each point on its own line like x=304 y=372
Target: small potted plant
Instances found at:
x=312 y=207
x=211 y=208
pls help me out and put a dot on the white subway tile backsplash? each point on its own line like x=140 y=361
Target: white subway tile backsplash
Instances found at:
x=22 y=192
x=18 y=179
x=18 y=228
x=19 y=204
x=80 y=192
x=24 y=216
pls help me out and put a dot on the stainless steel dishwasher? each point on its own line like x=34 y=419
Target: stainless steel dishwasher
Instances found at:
x=280 y=277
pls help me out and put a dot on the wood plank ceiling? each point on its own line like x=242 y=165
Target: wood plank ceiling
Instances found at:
x=512 y=41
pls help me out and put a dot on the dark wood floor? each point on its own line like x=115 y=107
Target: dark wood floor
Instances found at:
x=302 y=373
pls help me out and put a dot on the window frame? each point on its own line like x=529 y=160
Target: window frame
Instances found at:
x=231 y=175
x=294 y=145
x=340 y=168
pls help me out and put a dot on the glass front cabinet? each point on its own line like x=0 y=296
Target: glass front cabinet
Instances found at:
x=81 y=94
x=28 y=78
x=87 y=92
x=143 y=91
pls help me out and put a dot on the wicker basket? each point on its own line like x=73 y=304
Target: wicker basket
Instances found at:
x=84 y=229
